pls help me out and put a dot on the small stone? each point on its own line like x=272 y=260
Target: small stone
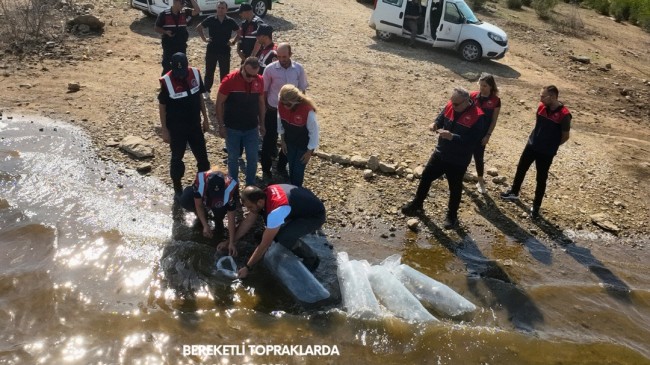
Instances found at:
x=418 y=171
x=74 y=87
x=470 y=177
x=373 y=162
x=384 y=235
x=358 y=161
x=603 y=221
x=387 y=168
x=144 y=168
x=493 y=171
x=581 y=59
x=413 y=224
x=499 y=180
x=112 y=143
x=323 y=155
x=25 y=86
x=368 y=174
x=136 y=146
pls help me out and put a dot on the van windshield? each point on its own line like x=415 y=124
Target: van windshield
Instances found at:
x=467 y=13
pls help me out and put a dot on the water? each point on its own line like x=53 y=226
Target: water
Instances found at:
x=96 y=267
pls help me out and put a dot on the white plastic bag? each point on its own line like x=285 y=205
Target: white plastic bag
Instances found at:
x=395 y=297
x=358 y=299
x=227 y=267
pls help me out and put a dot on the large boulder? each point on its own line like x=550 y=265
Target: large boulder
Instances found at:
x=136 y=146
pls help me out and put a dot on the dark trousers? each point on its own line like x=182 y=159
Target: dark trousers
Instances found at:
x=289 y=235
x=270 y=143
x=479 y=160
x=167 y=58
x=187 y=202
x=180 y=136
x=542 y=164
x=435 y=168
x=211 y=61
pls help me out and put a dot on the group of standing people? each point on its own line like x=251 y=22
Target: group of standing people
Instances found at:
x=261 y=100
x=464 y=128
x=266 y=98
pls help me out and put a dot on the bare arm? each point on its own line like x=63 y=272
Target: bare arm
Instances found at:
x=220 y=104
x=206 y=121
x=565 y=137
x=267 y=238
x=162 y=111
x=195 y=8
x=495 y=116
x=203 y=217
x=199 y=29
x=261 y=105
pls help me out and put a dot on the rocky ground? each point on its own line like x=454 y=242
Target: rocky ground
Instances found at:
x=375 y=102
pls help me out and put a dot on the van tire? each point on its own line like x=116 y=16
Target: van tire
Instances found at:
x=259 y=8
x=384 y=35
x=148 y=14
x=470 y=51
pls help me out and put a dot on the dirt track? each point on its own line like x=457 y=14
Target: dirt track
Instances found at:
x=377 y=98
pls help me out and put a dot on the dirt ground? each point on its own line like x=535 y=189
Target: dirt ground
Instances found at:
x=378 y=98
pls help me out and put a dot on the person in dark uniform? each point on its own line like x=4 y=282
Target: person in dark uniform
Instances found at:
x=552 y=129
x=181 y=107
x=172 y=26
x=220 y=28
x=289 y=212
x=268 y=50
x=248 y=45
x=213 y=190
x=459 y=132
x=411 y=17
x=488 y=100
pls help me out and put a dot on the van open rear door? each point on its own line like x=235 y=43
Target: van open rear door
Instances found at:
x=389 y=15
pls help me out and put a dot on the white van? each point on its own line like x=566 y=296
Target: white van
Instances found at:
x=442 y=23
x=155 y=7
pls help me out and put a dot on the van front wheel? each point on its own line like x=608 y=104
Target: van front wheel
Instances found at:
x=384 y=35
x=259 y=8
x=471 y=51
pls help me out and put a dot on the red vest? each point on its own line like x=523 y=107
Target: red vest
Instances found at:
x=467 y=119
x=176 y=88
x=297 y=117
x=275 y=198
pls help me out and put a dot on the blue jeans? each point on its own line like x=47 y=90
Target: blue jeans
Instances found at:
x=250 y=140
x=296 y=167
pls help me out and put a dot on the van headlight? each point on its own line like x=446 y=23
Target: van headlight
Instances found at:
x=497 y=39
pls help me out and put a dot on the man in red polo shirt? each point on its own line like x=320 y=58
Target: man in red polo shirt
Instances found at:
x=240 y=116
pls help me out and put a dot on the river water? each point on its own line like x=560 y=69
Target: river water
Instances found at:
x=96 y=267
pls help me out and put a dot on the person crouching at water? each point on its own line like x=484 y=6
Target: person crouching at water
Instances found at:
x=214 y=190
x=289 y=212
x=298 y=130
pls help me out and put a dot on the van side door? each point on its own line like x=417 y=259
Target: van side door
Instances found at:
x=389 y=15
x=451 y=24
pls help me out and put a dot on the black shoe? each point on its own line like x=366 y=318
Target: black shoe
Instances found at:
x=450 y=222
x=509 y=195
x=534 y=212
x=412 y=208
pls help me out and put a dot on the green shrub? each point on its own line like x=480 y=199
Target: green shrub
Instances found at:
x=543 y=8
x=513 y=4
x=620 y=10
x=601 y=6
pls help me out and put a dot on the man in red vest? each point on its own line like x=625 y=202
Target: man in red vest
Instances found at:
x=289 y=212
x=181 y=107
x=552 y=129
x=459 y=128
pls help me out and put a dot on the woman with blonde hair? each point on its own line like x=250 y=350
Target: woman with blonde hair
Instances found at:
x=298 y=130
